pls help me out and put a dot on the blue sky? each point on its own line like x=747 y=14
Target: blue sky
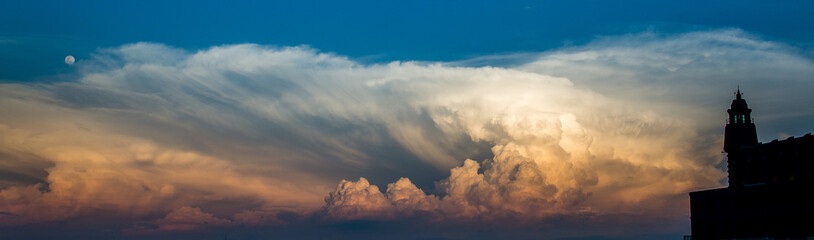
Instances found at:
x=383 y=119
x=37 y=34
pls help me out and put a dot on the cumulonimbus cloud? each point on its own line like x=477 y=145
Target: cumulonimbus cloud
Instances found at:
x=250 y=134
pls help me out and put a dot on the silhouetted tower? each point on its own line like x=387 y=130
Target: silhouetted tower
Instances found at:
x=740 y=132
x=771 y=186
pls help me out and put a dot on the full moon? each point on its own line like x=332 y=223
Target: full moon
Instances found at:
x=69 y=59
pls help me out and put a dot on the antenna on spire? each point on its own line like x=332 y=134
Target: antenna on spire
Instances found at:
x=738 y=94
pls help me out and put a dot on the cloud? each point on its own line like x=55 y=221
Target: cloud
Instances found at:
x=688 y=72
x=188 y=218
x=635 y=129
x=256 y=135
x=182 y=219
x=21 y=169
x=357 y=200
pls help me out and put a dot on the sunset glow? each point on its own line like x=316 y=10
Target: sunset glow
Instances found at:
x=145 y=139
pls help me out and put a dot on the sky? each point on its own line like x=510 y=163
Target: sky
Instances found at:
x=383 y=119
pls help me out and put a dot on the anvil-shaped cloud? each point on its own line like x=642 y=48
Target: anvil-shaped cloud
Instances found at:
x=170 y=140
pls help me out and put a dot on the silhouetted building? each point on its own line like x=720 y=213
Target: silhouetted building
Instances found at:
x=771 y=186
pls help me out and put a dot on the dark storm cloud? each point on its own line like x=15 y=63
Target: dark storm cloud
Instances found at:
x=20 y=168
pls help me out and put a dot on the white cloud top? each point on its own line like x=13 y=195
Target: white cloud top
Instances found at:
x=621 y=126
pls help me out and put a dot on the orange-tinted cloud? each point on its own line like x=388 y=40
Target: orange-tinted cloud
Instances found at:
x=254 y=135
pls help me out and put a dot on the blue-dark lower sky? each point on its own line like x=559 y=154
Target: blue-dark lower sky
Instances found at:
x=35 y=35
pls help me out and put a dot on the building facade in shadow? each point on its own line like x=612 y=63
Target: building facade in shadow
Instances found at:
x=771 y=186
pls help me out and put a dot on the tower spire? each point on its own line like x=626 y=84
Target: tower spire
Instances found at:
x=738 y=94
x=739 y=132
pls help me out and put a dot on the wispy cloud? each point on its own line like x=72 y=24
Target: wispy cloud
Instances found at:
x=249 y=134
